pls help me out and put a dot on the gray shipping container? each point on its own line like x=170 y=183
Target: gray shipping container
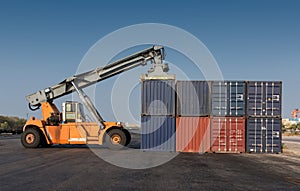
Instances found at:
x=158 y=133
x=228 y=98
x=158 y=97
x=264 y=135
x=193 y=98
x=264 y=99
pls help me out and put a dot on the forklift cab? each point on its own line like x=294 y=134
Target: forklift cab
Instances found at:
x=72 y=112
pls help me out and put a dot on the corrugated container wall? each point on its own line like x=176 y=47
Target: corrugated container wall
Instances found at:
x=228 y=98
x=264 y=135
x=193 y=98
x=264 y=99
x=228 y=134
x=158 y=133
x=193 y=134
x=158 y=97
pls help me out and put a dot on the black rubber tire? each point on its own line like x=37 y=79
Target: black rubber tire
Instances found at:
x=44 y=143
x=31 y=138
x=128 y=137
x=115 y=133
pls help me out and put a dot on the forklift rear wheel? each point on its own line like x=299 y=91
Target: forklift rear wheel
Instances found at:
x=115 y=139
x=31 y=138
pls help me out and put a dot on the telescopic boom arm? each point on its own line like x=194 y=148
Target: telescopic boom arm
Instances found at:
x=154 y=54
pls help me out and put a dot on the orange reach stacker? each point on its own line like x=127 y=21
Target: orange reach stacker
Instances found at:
x=70 y=125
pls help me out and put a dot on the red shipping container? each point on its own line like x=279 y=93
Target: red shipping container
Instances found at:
x=228 y=134
x=193 y=134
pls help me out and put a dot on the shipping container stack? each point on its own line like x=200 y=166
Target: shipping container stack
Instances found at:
x=228 y=116
x=158 y=115
x=192 y=116
x=264 y=117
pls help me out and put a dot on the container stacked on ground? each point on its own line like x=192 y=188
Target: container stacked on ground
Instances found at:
x=158 y=115
x=228 y=116
x=216 y=116
x=192 y=116
x=264 y=117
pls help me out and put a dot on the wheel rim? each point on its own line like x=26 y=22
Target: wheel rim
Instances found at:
x=30 y=138
x=116 y=139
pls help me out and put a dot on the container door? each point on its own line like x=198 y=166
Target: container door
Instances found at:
x=264 y=99
x=272 y=99
x=228 y=134
x=228 y=98
x=236 y=134
x=254 y=135
x=218 y=134
x=236 y=102
x=255 y=98
x=264 y=130
x=219 y=98
x=264 y=135
x=273 y=135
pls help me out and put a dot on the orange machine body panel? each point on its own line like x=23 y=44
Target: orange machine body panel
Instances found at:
x=68 y=133
x=33 y=122
x=53 y=133
x=75 y=136
x=71 y=133
x=49 y=109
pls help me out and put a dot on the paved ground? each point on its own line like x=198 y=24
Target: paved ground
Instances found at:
x=69 y=168
x=292 y=143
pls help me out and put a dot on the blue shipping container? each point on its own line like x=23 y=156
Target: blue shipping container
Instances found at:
x=193 y=98
x=158 y=133
x=264 y=135
x=264 y=99
x=158 y=97
x=228 y=98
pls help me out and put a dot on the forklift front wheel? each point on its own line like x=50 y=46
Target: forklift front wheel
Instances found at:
x=31 y=138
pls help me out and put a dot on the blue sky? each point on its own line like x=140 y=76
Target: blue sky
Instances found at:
x=43 y=42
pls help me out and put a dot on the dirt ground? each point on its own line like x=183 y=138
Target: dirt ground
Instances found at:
x=78 y=168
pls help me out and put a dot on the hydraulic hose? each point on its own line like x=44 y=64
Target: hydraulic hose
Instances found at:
x=34 y=109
